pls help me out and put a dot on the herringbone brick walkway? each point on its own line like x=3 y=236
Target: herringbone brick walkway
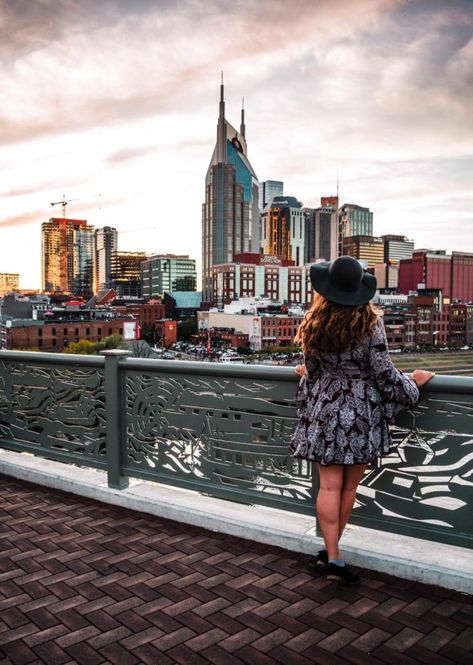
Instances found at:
x=88 y=583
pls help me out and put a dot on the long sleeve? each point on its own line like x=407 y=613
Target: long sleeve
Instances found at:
x=306 y=381
x=395 y=387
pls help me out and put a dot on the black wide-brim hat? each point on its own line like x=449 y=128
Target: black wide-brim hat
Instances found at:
x=343 y=281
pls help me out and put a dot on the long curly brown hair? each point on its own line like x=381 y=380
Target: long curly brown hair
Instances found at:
x=329 y=327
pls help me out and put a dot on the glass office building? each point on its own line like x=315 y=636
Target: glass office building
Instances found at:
x=230 y=212
x=268 y=190
x=106 y=241
x=167 y=273
x=283 y=229
x=358 y=220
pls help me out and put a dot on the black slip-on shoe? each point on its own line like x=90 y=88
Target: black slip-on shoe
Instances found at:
x=320 y=561
x=342 y=574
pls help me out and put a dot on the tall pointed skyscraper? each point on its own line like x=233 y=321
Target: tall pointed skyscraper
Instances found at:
x=230 y=217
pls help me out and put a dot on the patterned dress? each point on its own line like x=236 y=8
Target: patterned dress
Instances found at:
x=346 y=401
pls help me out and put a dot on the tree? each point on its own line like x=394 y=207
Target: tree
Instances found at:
x=86 y=347
x=110 y=342
x=186 y=328
x=141 y=349
x=148 y=333
x=83 y=346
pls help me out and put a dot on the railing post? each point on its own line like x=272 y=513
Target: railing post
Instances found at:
x=114 y=416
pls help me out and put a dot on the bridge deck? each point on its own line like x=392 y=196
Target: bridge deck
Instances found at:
x=89 y=583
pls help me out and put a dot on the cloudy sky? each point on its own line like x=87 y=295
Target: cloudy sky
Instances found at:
x=114 y=104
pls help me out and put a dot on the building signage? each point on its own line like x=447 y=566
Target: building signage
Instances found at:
x=129 y=330
x=254 y=333
x=273 y=260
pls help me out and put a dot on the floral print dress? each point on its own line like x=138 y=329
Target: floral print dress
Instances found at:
x=346 y=401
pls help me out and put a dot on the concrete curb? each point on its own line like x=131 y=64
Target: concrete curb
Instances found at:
x=410 y=558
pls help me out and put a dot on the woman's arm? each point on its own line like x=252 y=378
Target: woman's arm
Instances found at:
x=393 y=385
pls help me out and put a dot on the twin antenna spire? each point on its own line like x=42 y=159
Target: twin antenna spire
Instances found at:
x=222 y=106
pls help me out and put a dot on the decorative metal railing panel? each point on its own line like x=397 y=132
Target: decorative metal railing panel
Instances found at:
x=426 y=485
x=224 y=431
x=53 y=410
x=222 y=435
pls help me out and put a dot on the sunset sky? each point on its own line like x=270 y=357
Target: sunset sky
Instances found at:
x=114 y=104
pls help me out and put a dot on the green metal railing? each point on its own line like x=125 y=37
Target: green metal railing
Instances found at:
x=224 y=431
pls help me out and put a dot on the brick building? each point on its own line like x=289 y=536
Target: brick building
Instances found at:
x=223 y=336
x=256 y=275
x=166 y=331
x=151 y=312
x=278 y=330
x=437 y=270
x=56 y=335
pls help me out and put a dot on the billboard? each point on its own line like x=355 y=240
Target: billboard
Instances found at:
x=254 y=333
x=130 y=329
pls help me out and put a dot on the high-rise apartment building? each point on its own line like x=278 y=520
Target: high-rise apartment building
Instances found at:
x=67 y=256
x=230 y=213
x=322 y=229
x=268 y=190
x=8 y=282
x=283 y=229
x=125 y=275
x=365 y=248
x=166 y=273
x=106 y=242
x=356 y=220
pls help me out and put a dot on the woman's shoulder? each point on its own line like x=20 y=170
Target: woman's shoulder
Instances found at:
x=378 y=329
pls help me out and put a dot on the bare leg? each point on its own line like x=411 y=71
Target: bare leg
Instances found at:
x=351 y=479
x=329 y=506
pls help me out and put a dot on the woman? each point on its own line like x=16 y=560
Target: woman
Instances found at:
x=348 y=394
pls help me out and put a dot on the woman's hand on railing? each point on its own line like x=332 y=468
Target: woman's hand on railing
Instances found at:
x=421 y=376
x=300 y=370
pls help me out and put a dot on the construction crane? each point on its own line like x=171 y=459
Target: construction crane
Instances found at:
x=63 y=203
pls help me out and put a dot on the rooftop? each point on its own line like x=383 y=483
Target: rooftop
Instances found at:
x=284 y=201
x=187 y=299
x=85 y=582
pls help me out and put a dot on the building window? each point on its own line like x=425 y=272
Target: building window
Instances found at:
x=65 y=332
x=40 y=342
x=99 y=331
x=77 y=332
x=110 y=331
x=40 y=332
x=53 y=332
x=53 y=342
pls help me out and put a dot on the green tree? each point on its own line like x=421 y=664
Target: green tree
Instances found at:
x=83 y=346
x=110 y=342
x=186 y=328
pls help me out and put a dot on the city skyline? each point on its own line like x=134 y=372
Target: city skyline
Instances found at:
x=127 y=131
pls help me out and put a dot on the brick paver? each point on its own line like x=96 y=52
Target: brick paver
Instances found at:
x=84 y=582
